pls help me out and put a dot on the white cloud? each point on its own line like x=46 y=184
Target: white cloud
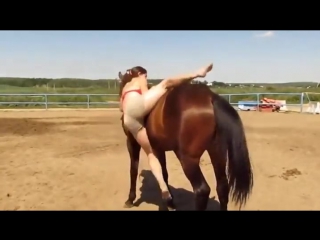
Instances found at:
x=265 y=34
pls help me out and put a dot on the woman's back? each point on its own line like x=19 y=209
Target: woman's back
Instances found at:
x=134 y=84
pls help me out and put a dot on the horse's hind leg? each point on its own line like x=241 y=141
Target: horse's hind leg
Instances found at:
x=191 y=168
x=134 y=152
x=219 y=161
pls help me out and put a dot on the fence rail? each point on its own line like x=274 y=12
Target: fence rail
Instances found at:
x=111 y=99
x=46 y=102
x=258 y=97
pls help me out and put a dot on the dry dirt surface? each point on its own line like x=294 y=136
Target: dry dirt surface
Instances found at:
x=77 y=160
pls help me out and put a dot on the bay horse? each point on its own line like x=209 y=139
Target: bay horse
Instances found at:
x=189 y=120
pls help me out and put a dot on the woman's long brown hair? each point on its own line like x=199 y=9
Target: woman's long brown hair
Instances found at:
x=131 y=73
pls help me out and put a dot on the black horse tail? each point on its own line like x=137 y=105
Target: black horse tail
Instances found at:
x=232 y=140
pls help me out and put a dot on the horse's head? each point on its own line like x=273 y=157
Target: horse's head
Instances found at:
x=130 y=74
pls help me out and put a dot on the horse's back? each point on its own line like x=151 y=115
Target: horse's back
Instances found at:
x=180 y=108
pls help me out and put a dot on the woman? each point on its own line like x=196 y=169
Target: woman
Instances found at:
x=137 y=101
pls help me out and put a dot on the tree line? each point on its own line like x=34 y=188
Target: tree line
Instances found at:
x=107 y=83
x=62 y=82
x=72 y=82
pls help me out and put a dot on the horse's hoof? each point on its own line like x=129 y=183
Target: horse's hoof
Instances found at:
x=128 y=204
x=223 y=207
x=171 y=209
x=167 y=208
x=168 y=201
x=171 y=206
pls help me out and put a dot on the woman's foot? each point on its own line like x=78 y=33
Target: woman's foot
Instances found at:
x=202 y=72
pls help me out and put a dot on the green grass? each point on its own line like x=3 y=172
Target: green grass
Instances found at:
x=88 y=90
x=5 y=89
x=42 y=90
x=291 y=99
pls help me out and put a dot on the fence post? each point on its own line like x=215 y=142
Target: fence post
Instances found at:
x=229 y=98
x=46 y=101
x=301 y=102
x=88 y=101
x=258 y=102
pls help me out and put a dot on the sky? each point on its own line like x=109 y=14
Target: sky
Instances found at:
x=238 y=56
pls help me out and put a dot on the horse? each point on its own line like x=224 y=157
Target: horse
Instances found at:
x=190 y=119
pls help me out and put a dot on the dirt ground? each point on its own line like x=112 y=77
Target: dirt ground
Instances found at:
x=76 y=160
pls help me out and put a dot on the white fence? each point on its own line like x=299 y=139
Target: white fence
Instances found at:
x=47 y=100
x=111 y=100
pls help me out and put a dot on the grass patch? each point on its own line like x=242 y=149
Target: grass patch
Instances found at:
x=81 y=101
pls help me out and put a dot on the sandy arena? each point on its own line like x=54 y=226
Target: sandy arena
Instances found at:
x=77 y=160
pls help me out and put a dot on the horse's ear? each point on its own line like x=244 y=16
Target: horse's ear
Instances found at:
x=120 y=76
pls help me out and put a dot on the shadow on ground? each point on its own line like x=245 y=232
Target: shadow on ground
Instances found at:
x=183 y=198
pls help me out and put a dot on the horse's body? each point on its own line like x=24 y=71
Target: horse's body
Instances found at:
x=189 y=120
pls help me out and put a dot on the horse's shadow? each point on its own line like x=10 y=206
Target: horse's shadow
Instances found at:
x=183 y=199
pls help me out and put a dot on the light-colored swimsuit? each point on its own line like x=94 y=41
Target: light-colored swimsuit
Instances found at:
x=134 y=111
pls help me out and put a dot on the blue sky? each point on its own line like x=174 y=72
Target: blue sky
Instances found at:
x=238 y=56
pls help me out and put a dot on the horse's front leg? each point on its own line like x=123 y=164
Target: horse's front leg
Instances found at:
x=134 y=152
x=167 y=201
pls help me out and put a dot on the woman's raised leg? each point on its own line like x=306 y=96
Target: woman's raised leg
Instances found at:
x=152 y=96
x=175 y=81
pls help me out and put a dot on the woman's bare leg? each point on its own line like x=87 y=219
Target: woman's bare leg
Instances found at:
x=152 y=96
x=154 y=163
x=175 y=81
